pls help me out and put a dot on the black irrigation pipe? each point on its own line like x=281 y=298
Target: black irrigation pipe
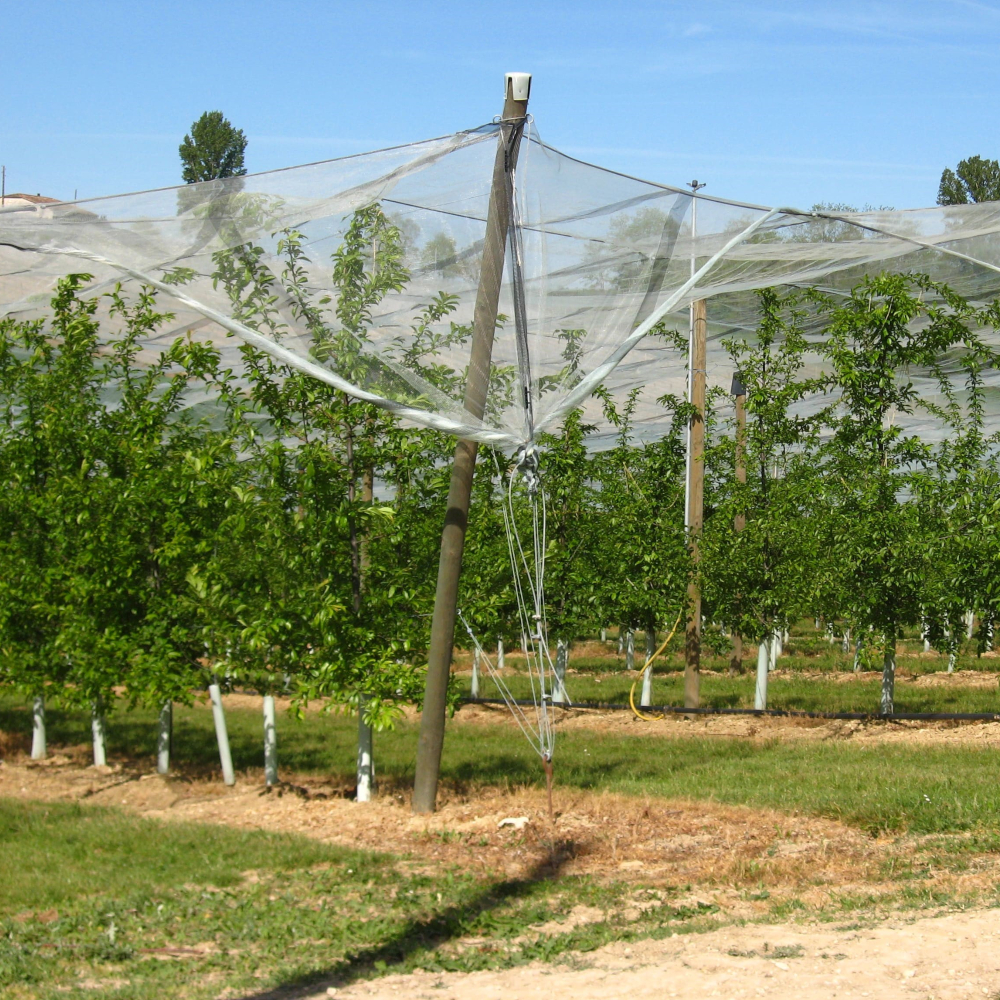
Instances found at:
x=607 y=706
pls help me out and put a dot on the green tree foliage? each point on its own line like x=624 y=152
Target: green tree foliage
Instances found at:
x=973 y=180
x=97 y=506
x=288 y=536
x=760 y=578
x=888 y=330
x=213 y=150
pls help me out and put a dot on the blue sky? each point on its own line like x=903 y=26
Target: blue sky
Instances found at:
x=769 y=101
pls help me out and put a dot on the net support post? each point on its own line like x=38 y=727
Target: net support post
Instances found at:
x=695 y=503
x=431 y=741
x=739 y=393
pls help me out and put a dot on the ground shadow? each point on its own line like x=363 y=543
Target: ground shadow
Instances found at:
x=420 y=935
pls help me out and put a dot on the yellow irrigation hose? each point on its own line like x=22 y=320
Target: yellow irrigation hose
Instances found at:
x=649 y=660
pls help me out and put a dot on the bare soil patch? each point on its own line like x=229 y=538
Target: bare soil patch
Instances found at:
x=946 y=957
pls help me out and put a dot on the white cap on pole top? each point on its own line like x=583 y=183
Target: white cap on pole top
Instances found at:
x=517 y=85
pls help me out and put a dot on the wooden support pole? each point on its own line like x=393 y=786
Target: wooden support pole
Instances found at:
x=431 y=741
x=696 y=502
x=739 y=521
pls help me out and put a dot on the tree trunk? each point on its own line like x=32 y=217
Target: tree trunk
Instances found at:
x=630 y=650
x=604 y=635
x=99 y=732
x=39 y=748
x=857 y=655
x=221 y=733
x=736 y=656
x=475 y=673
x=270 y=742
x=366 y=761
x=763 y=665
x=164 y=737
x=889 y=674
x=970 y=624
x=846 y=644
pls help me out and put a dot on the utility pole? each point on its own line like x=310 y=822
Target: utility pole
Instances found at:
x=739 y=393
x=694 y=508
x=517 y=88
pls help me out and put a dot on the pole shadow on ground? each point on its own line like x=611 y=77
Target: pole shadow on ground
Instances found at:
x=419 y=935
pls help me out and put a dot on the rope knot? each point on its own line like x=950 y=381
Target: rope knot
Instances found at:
x=526 y=459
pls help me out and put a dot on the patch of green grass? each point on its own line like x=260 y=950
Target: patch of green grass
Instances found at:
x=153 y=910
x=921 y=789
x=790 y=693
x=66 y=850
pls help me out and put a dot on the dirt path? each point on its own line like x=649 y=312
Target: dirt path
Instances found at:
x=955 y=956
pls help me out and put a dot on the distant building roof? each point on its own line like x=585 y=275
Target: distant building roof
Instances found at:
x=34 y=199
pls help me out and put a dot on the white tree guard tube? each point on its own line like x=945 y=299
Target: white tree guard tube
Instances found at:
x=366 y=759
x=475 y=672
x=646 y=699
x=164 y=737
x=270 y=742
x=500 y=663
x=559 y=695
x=763 y=665
x=221 y=733
x=99 y=733
x=630 y=650
x=39 y=747
x=888 y=679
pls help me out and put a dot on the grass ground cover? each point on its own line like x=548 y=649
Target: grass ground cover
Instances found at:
x=102 y=904
x=806 y=694
x=923 y=788
x=823 y=659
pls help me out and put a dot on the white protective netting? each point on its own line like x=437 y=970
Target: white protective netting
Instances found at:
x=604 y=257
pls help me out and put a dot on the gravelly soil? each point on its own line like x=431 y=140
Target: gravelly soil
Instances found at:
x=953 y=956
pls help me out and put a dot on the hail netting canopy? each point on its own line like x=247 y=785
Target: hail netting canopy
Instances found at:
x=603 y=268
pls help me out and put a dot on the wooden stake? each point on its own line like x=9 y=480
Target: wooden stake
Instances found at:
x=740 y=521
x=696 y=503
x=439 y=654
